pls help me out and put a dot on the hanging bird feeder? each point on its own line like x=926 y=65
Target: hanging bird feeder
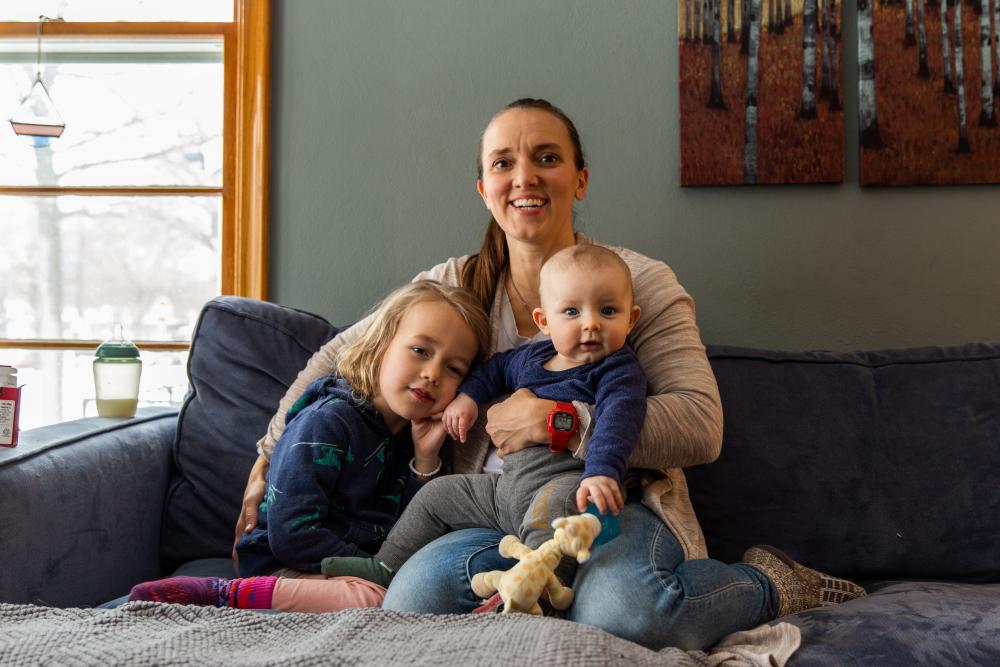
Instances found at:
x=37 y=119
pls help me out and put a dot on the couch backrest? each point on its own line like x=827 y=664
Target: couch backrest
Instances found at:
x=244 y=355
x=873 y=465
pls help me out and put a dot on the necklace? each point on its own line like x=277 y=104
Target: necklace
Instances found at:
x=524 y=304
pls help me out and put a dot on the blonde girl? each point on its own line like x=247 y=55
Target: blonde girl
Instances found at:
x=357 y=447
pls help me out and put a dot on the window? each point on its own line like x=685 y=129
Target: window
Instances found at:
x=152 y=201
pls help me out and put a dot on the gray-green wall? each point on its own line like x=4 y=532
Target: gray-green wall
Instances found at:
x=377 y=107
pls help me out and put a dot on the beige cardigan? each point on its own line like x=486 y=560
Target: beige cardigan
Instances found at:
x=683 y=424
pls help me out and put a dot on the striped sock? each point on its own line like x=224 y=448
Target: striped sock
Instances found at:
x=247 y=593
x=179 y=590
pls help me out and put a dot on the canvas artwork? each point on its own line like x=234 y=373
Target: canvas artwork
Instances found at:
x=929 y=80
x=760 y=92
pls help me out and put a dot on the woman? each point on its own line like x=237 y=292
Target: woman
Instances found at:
x=531 y=169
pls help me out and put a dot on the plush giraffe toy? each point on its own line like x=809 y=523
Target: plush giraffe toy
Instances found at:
x=522 y=585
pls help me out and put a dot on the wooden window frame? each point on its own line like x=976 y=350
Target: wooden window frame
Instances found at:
x=245 y=136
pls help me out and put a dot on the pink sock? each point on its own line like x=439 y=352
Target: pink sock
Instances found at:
x=248 y=593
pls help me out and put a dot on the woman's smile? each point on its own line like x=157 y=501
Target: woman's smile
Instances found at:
x=529 y=205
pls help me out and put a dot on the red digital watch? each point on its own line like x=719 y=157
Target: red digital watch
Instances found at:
x=562 y=425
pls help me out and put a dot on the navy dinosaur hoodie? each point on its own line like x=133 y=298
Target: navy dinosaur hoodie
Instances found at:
x=337 y=482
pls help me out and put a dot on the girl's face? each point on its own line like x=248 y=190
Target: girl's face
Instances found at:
x=529 y=178
x=424 y=363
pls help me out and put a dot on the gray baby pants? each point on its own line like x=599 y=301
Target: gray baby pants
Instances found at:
x=536 y=487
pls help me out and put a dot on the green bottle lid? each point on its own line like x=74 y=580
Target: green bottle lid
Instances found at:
x=117 y=348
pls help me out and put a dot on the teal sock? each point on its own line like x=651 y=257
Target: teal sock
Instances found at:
x=369 y=569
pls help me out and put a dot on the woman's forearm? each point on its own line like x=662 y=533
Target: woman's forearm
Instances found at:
x=683 y=424
x=681 y=430
x=252 y=497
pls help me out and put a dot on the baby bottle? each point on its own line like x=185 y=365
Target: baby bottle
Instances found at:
x=117 y=368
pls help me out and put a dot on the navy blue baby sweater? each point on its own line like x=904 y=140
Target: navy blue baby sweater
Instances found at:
x=615 y=385
x=337 y=482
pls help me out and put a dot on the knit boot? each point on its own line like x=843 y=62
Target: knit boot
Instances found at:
x=799 y=587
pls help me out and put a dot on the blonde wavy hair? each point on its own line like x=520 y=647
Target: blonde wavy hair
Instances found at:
x=360 y=362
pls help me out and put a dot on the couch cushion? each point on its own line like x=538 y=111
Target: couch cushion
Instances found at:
x=244 y=355
x=905 y=624
x=871 y=465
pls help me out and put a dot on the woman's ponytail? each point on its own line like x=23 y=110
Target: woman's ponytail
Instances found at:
x=484 y=270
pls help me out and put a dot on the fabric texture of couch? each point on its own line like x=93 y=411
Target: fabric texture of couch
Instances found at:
x=881 y=466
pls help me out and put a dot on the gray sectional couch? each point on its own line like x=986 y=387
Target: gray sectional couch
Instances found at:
x=880 y=466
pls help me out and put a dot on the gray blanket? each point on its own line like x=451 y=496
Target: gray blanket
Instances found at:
x=143 y=633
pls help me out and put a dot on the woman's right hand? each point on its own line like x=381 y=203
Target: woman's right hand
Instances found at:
x=518 y=422
x=252 y=497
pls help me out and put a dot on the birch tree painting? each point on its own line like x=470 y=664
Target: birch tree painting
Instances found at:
x=928 y=85
x=760 y=92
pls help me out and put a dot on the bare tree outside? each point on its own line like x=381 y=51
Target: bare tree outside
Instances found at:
x=74 y=265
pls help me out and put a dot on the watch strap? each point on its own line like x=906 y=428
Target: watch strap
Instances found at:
x=559 y=439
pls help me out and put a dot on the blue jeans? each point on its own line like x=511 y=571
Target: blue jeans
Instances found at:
x=637 y=586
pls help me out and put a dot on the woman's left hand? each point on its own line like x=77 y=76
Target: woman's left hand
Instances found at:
x=518 y=422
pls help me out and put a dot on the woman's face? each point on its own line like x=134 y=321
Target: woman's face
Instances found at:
x=529 y=178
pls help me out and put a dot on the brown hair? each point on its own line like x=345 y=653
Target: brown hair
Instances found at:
x=482 y=273
x=360 y=362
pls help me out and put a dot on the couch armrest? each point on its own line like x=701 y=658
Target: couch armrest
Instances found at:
x=80 y=508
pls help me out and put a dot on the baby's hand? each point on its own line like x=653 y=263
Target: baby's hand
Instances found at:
x=459 y=417
x=604 y=491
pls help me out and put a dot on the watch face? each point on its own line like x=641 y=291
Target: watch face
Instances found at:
x=562 y=421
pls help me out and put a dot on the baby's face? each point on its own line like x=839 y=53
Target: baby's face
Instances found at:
x=588 y=313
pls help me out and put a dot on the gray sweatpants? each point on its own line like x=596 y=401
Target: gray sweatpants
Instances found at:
x=536 y=487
